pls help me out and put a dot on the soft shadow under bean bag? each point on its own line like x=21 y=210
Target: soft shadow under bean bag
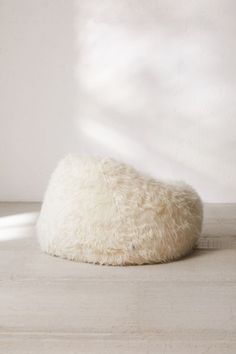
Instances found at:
x=102 y=211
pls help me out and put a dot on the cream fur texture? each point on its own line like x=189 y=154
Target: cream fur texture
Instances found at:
x=102 y=211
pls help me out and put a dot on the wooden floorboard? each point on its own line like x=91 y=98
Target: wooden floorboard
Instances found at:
x=51 y=305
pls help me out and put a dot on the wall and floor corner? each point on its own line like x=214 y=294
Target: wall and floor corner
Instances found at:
x=150 y=83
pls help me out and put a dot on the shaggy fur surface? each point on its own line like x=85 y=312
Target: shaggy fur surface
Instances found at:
x=102 y=211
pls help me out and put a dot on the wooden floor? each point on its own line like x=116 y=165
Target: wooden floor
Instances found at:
x=54 y=306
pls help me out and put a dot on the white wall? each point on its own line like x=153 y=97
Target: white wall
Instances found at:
x=149 y=82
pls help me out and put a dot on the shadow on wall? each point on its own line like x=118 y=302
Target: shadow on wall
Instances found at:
x=154 y=89
x=150 y=83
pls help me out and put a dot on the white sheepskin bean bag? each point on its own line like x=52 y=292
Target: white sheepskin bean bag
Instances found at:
x=102 y=211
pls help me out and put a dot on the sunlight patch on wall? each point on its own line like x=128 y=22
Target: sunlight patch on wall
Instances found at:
x=111 y=139
x=157 y=81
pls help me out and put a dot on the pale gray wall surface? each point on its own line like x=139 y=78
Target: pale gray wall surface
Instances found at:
x=151 y=83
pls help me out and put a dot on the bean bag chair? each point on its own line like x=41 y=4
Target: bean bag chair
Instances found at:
x=102 y=211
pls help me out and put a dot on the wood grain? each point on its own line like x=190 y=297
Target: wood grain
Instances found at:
x=51 y=305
